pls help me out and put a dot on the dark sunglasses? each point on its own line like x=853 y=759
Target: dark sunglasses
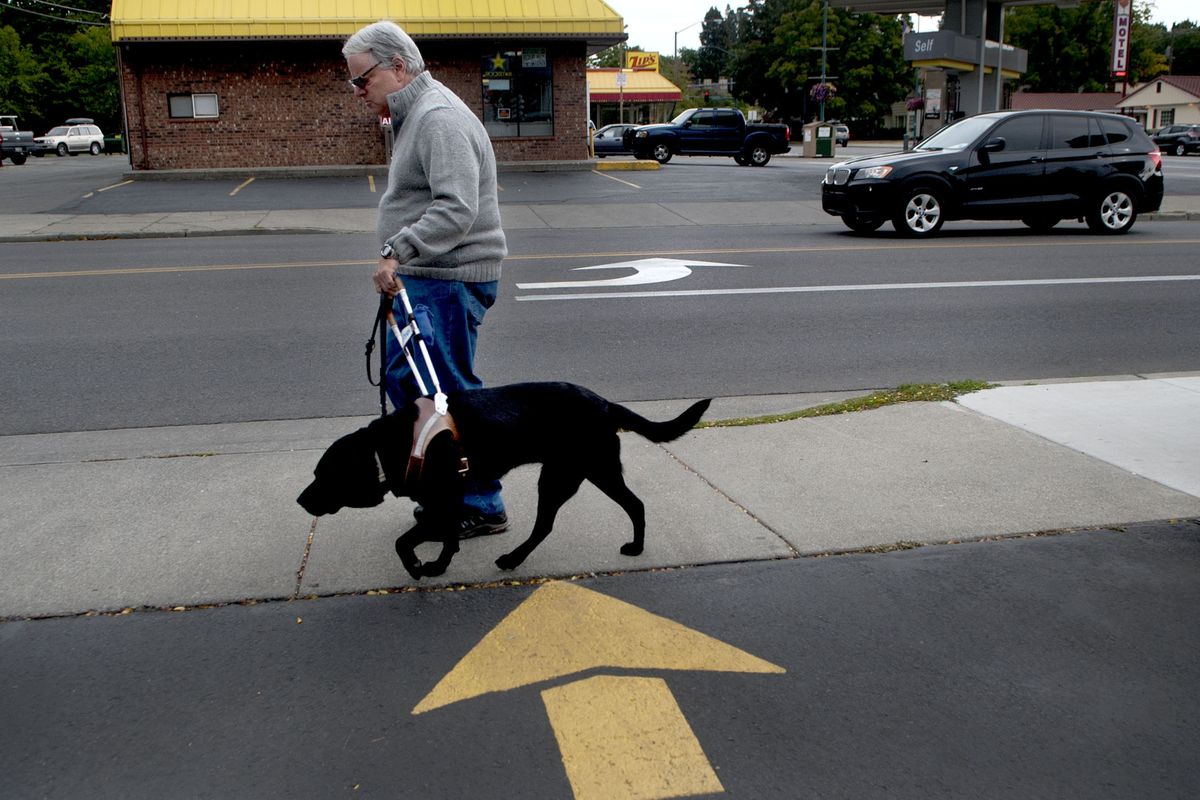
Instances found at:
x=360 y=81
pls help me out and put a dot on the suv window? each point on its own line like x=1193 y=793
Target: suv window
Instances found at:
x=702 y=119
x=1021 y=133
x=727 y=119
x=1115 y=131
x=1069 y=133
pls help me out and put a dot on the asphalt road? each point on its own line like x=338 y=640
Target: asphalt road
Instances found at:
x=1057 y=667
x=69 y=185
x=176 y=331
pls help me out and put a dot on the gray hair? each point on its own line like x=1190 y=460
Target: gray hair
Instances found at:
x=385 y=40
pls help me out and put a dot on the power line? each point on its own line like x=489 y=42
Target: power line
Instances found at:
x=68 y=8
x=11 y=7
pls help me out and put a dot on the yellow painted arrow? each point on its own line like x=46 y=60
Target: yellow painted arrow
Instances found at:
x=621 y=737
x=562 y=629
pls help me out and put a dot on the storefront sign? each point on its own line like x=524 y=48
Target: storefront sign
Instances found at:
x=1120 y=48
x=636 y=59
x=533 y=57
x=933 y=103
x=496 y=66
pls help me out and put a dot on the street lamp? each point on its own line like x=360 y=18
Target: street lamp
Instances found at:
x=681 y=30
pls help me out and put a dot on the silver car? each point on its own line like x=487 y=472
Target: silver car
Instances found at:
x=65 y=139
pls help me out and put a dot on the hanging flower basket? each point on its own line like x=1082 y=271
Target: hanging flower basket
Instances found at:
x=915 y=103
x=822 y=92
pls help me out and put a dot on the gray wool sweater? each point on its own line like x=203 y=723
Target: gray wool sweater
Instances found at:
x=440 y=211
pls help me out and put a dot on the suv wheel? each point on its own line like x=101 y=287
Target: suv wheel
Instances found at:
x=921 y=212
x=1180 y=150
x=61 y=149
x=1112 y=212
x=661 y=153
x=758 y=156
x=95 y=148
x=741 y=161
x=860 y=225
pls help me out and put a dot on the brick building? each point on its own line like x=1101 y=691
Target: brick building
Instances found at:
x=264 y=83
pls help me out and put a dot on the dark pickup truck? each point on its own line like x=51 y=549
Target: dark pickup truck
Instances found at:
x=15 y=144
x=710 y=132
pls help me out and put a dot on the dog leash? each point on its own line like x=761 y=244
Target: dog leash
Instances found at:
x=379 y=329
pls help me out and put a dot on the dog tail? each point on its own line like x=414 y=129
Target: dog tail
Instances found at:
x=658 y=431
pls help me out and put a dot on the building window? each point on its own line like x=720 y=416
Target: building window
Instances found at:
x=1166 y=116
x=517 y=93
x=192 y=106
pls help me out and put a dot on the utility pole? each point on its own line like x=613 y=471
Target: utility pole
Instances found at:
x=824 y=54
x=824 y=48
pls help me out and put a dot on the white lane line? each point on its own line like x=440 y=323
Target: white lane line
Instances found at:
x=861 y=287
x=614 y=178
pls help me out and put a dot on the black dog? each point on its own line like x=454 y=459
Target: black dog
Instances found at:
x=570 y=431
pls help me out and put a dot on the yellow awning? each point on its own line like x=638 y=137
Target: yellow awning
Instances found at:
x=640 y=86
x=174 y=20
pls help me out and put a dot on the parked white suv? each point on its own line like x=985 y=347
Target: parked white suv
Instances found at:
x=74 y=137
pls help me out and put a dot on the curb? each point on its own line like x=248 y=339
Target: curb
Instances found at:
x=620 y=166
x=1158 y=216
x=331 y=171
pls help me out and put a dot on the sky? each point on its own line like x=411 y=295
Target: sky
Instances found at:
x=657 y=24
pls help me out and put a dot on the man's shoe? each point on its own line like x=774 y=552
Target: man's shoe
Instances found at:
x=474 y=525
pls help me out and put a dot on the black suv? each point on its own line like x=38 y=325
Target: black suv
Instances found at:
x=1036 y=166
x=1179 y=139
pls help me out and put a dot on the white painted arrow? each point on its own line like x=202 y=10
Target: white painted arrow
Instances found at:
x=645 y=270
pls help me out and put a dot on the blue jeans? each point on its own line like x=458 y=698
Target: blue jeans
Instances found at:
x=449 y=314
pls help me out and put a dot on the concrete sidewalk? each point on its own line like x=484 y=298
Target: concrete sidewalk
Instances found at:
x=516 y=216
x=194 y=515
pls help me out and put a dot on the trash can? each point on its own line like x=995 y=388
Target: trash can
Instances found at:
x=818 y=140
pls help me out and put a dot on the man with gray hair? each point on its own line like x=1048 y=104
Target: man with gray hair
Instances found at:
x=439 y=225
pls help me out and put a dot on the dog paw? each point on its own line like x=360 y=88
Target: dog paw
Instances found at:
x=631 y=549
x=508 y=562
x=412 y=564
x=433 y=569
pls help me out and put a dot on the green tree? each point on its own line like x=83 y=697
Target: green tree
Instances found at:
x=92 y=62
x=779 y=61
x=20 y=77
x=1070 y=49
x=1184 y=43
x=714 y=57
x=75 y=73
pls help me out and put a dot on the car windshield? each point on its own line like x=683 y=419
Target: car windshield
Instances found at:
x=59 y=131
x=959 y=135
x=680 y=119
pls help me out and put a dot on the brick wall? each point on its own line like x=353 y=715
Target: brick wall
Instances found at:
x=287 y=104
